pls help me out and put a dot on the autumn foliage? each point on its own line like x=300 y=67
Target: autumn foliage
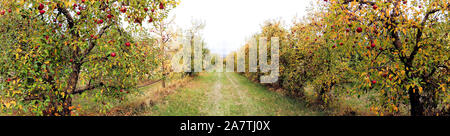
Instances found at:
x=396 y=52
x=52 y=50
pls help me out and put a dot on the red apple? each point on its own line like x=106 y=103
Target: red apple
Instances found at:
x=41 y=6
x=373 y=45
x=78 y=13
x=71 y=60
x=128 y=44
x=153 y=10
x=374 y=82
x=113 y=54
x=109 y=16
x=42 y=11
x=341 y=44
x=375 y=7
x=150 y=20
x=3 y=12
x=9 y=10
x=123 y=9
x=83 y=1
x=60 y=25
x=100 y=21
x=9 y=79
x=359 y=30
x=145 y=9
x=161 y=5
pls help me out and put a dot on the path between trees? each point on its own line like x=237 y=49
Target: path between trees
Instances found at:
x=227 y=94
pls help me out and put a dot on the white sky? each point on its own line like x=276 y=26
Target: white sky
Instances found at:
x=230 y=22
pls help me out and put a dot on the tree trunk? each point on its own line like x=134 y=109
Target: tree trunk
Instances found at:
x=72 y=85
x=417 y=108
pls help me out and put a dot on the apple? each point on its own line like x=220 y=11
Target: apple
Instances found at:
x=100 y=21
x=92 y=36
x=80 y=8
x=113 y=54
x=128 y=44
x=9 y=79
x=71 y=60
x=41 y=6
x=347 y=30
x=109 y=16
x=83 y=1
x=341 y=44
x=381 y=48
x=75 y=5
x=78 y=13
x=9 y=10
x=123 y=9
x=375 y=7
x=42 y=11
x=334 y=46
x=374 y=82
x=150 y=20
x=373 y=45
x=60 y=25
x=161 y=5
x=145 y=9
x=153 y=10
x=46 y=37
x=404 y=2
x=359 y=30
x=3 y=12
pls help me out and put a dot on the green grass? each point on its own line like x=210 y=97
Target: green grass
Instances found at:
x=227 y=94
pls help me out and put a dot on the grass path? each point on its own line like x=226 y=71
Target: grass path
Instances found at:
x=227 y=94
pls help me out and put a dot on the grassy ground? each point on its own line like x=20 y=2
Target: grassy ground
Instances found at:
x=227 y=94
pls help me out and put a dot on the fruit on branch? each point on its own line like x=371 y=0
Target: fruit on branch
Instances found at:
x=113 y=54
x=100 y=21
x=41 y=6
x=150 y=20
x=161 y=5
x=123 y=9
x=359 y=30
x=42 y=11
x=128 y=44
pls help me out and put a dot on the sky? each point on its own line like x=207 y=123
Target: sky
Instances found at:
x=230 y=22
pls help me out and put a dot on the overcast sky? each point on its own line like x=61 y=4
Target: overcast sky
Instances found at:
x=230 y=22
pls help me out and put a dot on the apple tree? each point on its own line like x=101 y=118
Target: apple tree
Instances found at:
x=398 y=48
x=50 y=48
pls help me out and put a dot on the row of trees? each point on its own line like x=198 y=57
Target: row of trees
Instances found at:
x=397 y=51
x=52 y=50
